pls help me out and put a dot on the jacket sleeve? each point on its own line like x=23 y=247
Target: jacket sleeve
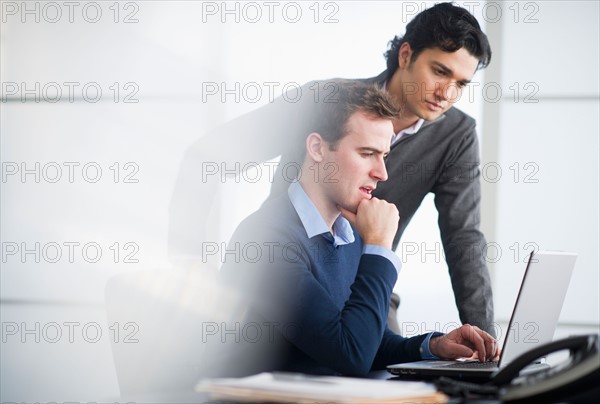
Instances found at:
x=222 y=154
x=457 y=199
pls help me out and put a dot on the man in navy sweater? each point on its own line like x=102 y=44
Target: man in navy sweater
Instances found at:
x=318 y=270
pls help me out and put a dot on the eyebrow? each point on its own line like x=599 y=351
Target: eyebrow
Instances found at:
x=372 y=149
x=448 y=71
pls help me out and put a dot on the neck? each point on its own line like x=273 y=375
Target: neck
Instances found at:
x=395 y=88
x=400 y=124
x=326 y=208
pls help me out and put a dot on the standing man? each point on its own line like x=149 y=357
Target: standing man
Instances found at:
x=319 y=278
x=435 y=149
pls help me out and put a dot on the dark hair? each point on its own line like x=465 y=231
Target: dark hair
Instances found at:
x=444 y=26
x=346 y=98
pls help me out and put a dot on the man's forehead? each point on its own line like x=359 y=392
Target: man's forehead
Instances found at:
x=370 y=132
x=460 y=62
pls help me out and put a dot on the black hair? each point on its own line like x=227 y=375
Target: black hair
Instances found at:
x=444 y=26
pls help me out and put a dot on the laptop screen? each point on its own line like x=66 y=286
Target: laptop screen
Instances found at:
x=539 y=303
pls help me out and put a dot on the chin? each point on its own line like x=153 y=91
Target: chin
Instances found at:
x=431 y=116
x=423 y=112
x=352 y=207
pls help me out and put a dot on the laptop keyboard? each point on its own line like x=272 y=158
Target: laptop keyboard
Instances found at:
x=473 y=365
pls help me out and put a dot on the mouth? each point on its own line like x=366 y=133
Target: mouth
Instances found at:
x=434 y=106
x=367 y=190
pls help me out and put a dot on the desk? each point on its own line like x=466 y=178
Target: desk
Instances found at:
x=189 y=397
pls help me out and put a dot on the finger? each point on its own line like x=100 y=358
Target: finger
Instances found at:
x=450 y=346
x=491 y=347
x=497 y=357
x=473 y=357
x=459 y=351
x=495 y=353
x=472 y=334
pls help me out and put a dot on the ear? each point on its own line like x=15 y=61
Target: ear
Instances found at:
x=315 y=147
x=404 y=55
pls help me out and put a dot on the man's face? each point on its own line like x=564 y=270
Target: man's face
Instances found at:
x=357 y=164
x=433 y=82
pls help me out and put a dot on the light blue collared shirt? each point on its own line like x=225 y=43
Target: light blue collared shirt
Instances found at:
x=315 y=225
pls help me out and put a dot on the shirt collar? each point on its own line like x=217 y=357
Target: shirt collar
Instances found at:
x=313 y=222
x=411 y=130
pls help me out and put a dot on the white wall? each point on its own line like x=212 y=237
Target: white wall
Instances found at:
x=166 y=56
x=546 y=143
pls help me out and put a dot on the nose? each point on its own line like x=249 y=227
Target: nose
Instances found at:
x=448 y=91
x=379 y=172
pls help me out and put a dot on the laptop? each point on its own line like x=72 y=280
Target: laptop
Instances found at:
x=532 y=323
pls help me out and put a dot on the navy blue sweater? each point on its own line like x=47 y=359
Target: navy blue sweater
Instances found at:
x=320 y=309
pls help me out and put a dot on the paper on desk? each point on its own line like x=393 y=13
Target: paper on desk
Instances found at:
x=269 y=387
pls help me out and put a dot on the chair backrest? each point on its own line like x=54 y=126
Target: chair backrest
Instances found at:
x=164 y=318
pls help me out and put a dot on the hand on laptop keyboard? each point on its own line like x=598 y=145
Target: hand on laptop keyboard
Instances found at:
x=475 y=357
x=466 y=341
